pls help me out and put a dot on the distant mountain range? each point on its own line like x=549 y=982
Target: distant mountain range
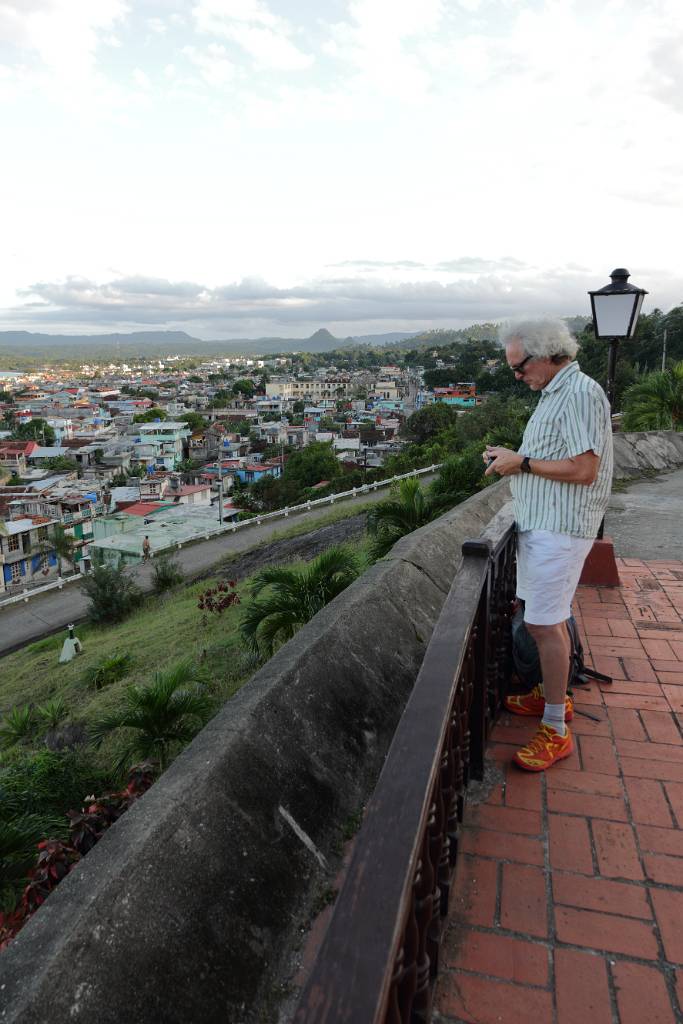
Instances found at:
x=160 y=343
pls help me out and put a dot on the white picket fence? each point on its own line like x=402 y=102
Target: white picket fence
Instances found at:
x=222 y=528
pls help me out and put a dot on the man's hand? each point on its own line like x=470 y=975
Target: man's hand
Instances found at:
x=505 y=462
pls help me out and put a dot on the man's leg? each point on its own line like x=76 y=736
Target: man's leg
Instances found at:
x=554 y=651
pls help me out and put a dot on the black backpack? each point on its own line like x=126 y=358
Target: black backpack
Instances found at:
x=528 y=664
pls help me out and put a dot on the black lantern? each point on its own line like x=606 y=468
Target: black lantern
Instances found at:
x=616 y=309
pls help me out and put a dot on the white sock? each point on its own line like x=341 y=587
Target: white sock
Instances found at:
x=553 y=715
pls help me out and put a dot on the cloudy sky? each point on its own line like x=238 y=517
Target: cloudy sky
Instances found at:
x=241 y=168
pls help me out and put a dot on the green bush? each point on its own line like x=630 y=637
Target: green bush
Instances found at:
x=113 y=595
x=108 y=670
x=17 y=725
x=166 y=574
x=52 y=713
x=45 y=784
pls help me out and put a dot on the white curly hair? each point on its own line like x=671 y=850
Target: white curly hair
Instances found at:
x=544 y=339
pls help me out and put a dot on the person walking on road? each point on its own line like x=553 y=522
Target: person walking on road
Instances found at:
x=146 y=549
x=561 y=479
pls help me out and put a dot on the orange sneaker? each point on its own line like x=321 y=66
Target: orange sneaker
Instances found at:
x=533 y=704
x=544 y=749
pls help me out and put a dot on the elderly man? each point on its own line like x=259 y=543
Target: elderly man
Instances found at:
x=561 y=482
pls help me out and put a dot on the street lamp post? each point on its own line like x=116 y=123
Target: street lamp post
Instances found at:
x=616 y=309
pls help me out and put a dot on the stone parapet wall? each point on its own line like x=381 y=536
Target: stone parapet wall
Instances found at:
x=645 y=451
x=189 y=907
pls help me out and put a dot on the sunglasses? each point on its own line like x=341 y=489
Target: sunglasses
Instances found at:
x=519 y=368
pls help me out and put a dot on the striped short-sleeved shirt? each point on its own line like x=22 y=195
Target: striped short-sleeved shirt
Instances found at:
x=572 y=417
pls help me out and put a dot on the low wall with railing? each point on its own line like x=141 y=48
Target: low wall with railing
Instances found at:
x=191 y=906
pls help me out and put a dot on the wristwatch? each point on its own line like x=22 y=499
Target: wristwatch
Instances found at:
x=525 y=467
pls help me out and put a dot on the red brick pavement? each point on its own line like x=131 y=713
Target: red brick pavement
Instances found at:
x=568 y=906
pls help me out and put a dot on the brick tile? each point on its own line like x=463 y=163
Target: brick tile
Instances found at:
x=597 y=755
x=644 y=769
x=622 y=628
x=570 y=846
x=648 y=803
x=662 y=665
x=596 y=626
x=525 y=963
x=661 y=728
x=660 y=840
x=674 y=791
x=616 y=849
x=506 y=819
x=633 y=686
x=605 y=931
x=666 y=870
x=523 y=789
x=610 y=666
x=582 y=726
x=626 y=723
x=672 y=636
x=611 y=595
x=523 y=900
x=590 y=695
x=520 y=849
x=510 y=732
x=603 y=611
x=639 y=669
x=642 y=994
x=641 y=703
x=677 y=647
x=668 y=752
x=614 y=648
x=562 y=801
x=674 y=696
x=673 y=678
x=669 y=914
x=599 y=894
x=495 y=797
x=474 y=1000
x=584 y=782
x=587 y=1000
x=475 y=891
x=657 y=648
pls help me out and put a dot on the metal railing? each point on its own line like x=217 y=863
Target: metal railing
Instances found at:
x=380 y=956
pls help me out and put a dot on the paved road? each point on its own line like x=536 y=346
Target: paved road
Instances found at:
x=646 y=520
x=48 y=613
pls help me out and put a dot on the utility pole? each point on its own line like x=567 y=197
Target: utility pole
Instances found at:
x=664 y=352
x=220 y=491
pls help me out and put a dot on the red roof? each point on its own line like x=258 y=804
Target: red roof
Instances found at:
x=144 y=508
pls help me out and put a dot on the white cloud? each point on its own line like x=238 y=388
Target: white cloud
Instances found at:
x=214 y=66
x=64 y=34
x=253 y=27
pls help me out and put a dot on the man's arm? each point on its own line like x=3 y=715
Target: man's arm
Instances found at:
x=579 y=469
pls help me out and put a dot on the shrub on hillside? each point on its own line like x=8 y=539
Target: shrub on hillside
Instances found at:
x=166 y=574
x=17 y=725
x=113 y=595
x=108 y=670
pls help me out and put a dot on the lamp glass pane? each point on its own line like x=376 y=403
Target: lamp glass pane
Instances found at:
x=613 y=314
x=636 y=314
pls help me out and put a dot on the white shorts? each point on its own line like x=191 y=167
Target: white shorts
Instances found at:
x=548 y=569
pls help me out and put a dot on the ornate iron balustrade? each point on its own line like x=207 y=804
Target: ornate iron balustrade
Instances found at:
x=380 y=956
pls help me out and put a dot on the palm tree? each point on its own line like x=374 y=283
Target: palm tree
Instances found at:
x=158 y=716
x=656 y=401
x=62 y=545
x=294 y=596
x=410 y=509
